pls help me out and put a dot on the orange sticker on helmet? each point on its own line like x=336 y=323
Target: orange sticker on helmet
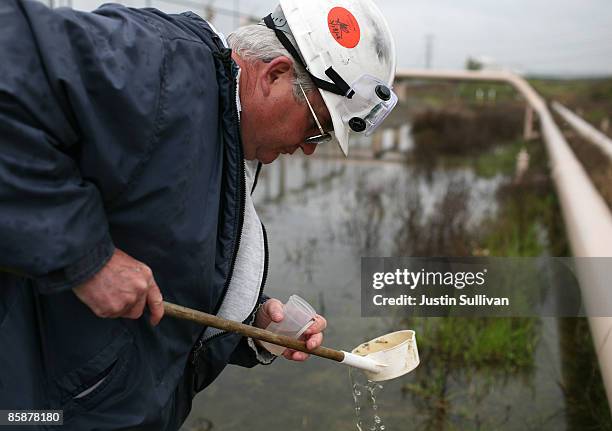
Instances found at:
x=343 y=27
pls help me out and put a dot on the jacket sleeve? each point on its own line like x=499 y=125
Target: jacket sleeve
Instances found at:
x=53 y=226
x=247 y=353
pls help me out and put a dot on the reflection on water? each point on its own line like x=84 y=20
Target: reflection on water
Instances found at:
x=321 y=216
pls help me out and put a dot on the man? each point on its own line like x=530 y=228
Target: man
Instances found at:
x=123 y=140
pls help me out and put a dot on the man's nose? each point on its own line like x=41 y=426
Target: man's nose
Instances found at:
x=308 y=149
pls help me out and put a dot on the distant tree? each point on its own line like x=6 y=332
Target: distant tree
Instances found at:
x=473 y=64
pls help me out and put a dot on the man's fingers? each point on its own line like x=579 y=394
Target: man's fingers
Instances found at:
x=137 y=309
x=155 y=303
x=314 y=341
x=288 y=353
x=295 y=355
x=121 y=289
x=299 y=356
x=319 y=325
x=274 y=309
x=120 y=308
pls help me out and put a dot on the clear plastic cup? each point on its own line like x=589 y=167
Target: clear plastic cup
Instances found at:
x=298 y=316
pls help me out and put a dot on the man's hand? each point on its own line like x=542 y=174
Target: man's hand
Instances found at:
x=121 y=289
x=272 y=311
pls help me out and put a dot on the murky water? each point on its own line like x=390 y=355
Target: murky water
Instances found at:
x=321 y=216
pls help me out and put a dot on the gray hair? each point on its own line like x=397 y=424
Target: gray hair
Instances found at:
x=259 y=43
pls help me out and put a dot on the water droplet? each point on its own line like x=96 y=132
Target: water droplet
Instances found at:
x=364 y=397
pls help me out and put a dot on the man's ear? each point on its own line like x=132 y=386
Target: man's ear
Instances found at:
x=273 y=71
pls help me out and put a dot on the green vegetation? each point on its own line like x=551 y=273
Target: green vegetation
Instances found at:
x=505 y=345
x=528 y=222
x=450 y=94
x=468 y=358
x=592 y=98
x=525 y=225
x=587 y=405
x=500 y=159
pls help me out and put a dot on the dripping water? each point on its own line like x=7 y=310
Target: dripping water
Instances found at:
x=364 y=397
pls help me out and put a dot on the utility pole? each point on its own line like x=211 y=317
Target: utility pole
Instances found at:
x=429 y=39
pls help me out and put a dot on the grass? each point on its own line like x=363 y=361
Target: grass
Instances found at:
x=527 y=223
x=464 y=359
x=592 y=97
x=440 y=94
x=505 y=345
x=500 y=160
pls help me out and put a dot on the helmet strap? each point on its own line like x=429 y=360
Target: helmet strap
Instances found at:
x=338 y=85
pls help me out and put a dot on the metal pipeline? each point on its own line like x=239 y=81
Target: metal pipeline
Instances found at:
x=588 y=220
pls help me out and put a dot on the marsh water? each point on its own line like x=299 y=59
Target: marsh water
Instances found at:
x=322 y=214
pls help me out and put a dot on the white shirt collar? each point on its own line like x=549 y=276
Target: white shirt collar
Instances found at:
x=238 y=104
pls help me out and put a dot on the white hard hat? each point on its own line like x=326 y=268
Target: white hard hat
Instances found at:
x=347 y=48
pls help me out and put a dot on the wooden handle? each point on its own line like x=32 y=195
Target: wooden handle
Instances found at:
x=185 y=313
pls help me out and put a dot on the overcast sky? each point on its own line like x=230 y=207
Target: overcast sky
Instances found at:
x=561 y=37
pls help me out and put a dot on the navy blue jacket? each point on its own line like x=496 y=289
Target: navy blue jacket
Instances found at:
x=118 y=128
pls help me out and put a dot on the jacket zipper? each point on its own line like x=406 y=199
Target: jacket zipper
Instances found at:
x=257 y=172
x=242 y=209
x=203 y=342
x=266 y=261
x=227 y=60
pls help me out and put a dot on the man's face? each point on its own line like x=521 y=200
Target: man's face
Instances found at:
x=273 y=121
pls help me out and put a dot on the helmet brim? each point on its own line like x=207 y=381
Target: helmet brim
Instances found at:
x=341 y=132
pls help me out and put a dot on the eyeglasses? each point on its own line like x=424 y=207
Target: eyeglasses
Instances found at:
x=323 y=136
